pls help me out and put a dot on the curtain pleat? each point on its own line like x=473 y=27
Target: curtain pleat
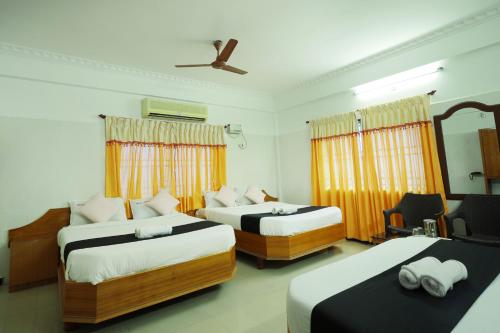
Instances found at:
x=145 y=156
x=113 y=159
x=364 y=172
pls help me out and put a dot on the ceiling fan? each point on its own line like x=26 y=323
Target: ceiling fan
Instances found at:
x=222 y=57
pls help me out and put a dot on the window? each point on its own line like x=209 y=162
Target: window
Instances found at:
x=395 y=154
x=187 y=167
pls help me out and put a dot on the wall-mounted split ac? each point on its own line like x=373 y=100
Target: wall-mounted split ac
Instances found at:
x=173 y=110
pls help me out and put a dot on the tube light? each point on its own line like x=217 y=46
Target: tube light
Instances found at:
x=400 y=81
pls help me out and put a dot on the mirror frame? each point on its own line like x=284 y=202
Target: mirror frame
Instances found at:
x=438 y=128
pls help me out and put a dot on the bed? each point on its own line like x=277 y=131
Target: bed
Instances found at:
x=338 y=279
x=281 y=237
x=101 y=282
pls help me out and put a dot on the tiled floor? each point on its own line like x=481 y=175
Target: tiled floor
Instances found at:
x=253 y=302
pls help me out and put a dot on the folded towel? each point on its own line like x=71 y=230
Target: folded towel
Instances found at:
x=441 y=279
x=410 y=275
x=276 y=210
x=148 y=231
x=283 y=211
x=288 y=211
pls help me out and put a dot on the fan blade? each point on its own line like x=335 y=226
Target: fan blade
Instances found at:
x=233 y=69
x=228 y=49
x=198 y=65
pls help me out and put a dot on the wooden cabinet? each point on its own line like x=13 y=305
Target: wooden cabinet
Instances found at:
x=491 y=156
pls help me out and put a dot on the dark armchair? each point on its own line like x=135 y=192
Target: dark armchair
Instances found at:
x=414 y=208
x=481 y=216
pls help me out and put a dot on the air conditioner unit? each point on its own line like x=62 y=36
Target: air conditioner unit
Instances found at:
x=173 y=110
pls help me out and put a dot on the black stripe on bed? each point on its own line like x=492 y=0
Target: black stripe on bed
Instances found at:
x=130 y=238
x=251 y=222
x=380 y=304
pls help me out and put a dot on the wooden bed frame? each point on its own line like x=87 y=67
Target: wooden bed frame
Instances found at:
x=88 y=303
x=287 y=247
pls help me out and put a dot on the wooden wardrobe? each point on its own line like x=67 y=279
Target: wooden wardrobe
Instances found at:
x=491 y=156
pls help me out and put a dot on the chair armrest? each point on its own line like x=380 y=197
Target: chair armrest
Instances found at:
x=438 y=215
x=398 y=230
x=477 y=240
x=387 y=217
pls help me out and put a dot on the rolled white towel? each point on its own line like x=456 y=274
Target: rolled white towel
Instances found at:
x=148 y=231
x=277 y=210
x=438 y=281
x=410 y=275
x=288 y=211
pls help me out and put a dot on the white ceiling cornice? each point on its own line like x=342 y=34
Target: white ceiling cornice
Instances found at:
x=432 y=36
x=443 y=32
x=94 y=64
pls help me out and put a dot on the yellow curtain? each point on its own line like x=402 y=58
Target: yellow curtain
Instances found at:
x=395 y=153
x=144 y=156
x=334 y=166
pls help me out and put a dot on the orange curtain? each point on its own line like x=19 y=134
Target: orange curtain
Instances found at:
x=139 y=169
x=365 y=172
x=336 y=176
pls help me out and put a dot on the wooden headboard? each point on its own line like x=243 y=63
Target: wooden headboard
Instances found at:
x=269 y=197
x=34 y=252
x=48 y=224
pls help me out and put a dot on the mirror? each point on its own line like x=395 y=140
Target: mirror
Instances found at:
x=468 y=149
x=463 y=149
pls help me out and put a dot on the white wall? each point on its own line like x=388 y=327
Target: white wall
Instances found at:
x=52 y=142
x=471 y=76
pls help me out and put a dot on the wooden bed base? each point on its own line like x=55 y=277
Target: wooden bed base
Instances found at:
x=88 y=303
x=35 y=258
x=288 y=247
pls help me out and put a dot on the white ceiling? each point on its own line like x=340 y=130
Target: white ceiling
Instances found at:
x=281 y=42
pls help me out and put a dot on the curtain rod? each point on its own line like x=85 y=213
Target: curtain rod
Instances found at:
x=430 y=93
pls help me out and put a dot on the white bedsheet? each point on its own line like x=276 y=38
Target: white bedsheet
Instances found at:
x=97 y=264
x=307 y=290
x=279 y=225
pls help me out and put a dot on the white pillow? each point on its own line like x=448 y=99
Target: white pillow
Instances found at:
x=140 y=210
x=78 y=219
x=163 y=203
x=255 y=194
x=98 y=209
x=227 y=196
x=210 y=202
x=243 y=201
